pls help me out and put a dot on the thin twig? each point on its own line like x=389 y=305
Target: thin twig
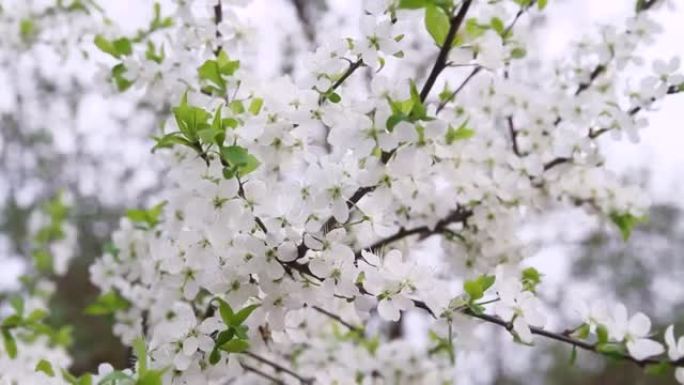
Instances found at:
x=263 y=374
x=280 y=368
x=339 y=319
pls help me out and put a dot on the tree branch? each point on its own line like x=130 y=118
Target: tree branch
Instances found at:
x=279 y=368
x=339 y=319
x=451 y=97
x=595 y=134
x=514 y=136
x=458 y=215
x=566 y=339
x=263 y=374
x=477 y=69
x=443 y=55
x=218 y=18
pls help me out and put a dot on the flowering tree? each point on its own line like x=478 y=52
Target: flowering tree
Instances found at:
x=301 y=215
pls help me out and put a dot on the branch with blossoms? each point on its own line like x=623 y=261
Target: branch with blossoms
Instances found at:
x=273 y=253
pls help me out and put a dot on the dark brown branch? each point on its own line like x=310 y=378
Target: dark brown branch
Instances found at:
x=566 y=339
x=279 y=368
x=263 y=374
x=353 y=66
x=443 y=55
x=218 y=18
x=514 y=136
x=477 y=69
x=458 y=89
x=339 y=319
x=645 y=5
x=598 y=70
x=458 y=215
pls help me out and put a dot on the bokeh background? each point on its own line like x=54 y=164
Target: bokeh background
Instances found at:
x=60 y=132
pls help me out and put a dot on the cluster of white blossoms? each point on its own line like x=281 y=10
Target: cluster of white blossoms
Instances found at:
x=293 y=209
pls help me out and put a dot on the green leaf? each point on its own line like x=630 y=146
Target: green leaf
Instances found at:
x=86 y=379
x=418 y=110
x=498 y=26
x=237 y=106
x=190 y=119
x=117 y=48
x=210 y=71
x=474 y=29
x=150 y=377
x=17 y=304
x=117 y=378
x=42 y=259
x=530 y=278
x=461 y=133
x=242 y=315
x=573 y=355
x=626 y=223
x=45 y=367
x=225 y=336
x=583 y=331
x=27 y=29
x=123 y=46
x=393 y=120
x=107 y=303
x=149 y=218
x=611 y=349
x=518 y=53
x=9 y=343
x=235 y=346
x=226 y=312
x=151 y=53
x=437 y=23
x=602 y=334
x=118 y=74
x=486 y=281
x=255 y=106
x=141 y=354
x=238 y=160
x=227 y=67
x=413 y=4
x=36 y=316
x=168 y=140
x=541 y=4
x=473 y=289
x=12 y=321
x=334 y=97
x=658 y=369
x=214 y=356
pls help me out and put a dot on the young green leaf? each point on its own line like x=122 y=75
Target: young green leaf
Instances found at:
x=107 y=303
x=140 y=351
x=226 y=312
x=242 y=315
x=238 y=160
x=235 y=346
x=461 y=133
x=626 y=223
x=9 y=343
x=45 y=367
x=437 y=23
x=255 y=106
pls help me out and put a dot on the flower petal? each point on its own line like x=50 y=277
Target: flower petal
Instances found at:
x=642 y=348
